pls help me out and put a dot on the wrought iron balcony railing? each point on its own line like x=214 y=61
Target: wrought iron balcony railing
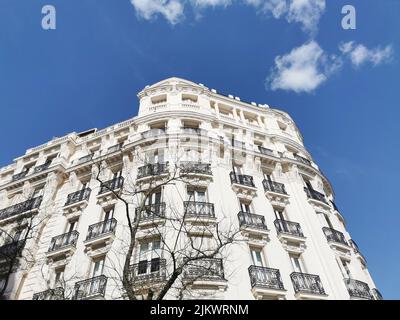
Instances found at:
x=115 y=148
x=265 y=278
x=20 y=175
x=307 y=283
x=333 y=235
x=63 y=241
x=199 y=209
x=195 y=167
x=84 y=159
x=288 y=227
x=204 y=269
x=150 y=212
x=153 y=133
x=90 y=288
x=152 y=170
x=50 y=294
x=22 y=207
x=377 y=294
x=265 y=151
x=242 y=179
x=101 y=228
x=252 y=220
x=11 y=250
x=273 y=186
x=111 y=185
x=42 y=167
x=153 y=270
x=302 y=159
x=312 y=194
x=195 y=131
x=78 y=196
x=358 y=289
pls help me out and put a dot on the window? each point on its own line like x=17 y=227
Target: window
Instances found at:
x=59 y=276
x=37 y=192
x=267 y=176
x=296 y=263
x=108 y=213
x=98 y=267
x=197 y=195
x=279 y=214
x=345 y=268
x=154 y=198
x=71 y=226
x=245 y=206
x=257 y=257
x=149 y=251
x=238 y=169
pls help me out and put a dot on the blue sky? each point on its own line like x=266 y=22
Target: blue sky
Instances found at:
x=86 y=74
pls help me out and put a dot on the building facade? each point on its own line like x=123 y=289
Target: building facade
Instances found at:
x=216 y=166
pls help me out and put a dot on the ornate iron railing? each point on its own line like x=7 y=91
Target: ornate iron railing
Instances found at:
x=312 y=194
x=20 y=175
x=288 y=227
x=98 y=229
x=265 y=151
x=302 y=159
x=307 y=283
x=89 y=288
x=199 y=209
x=78 y=196
x=358 y=289
x=273 y=186
x=150 y=212
x=153 y=270
x=252 y=220
x=22 y=207
x=333 y=235
x=42 y=167
x=64 y=240
x=111 y=185
x=114 y=148
x=195 y=167
x=377 y=294
x=153 y=133
x=50 y=294
x=242 y=179
x=84 y=159
x=152 y=170
x=265 y=277
x=204 y=269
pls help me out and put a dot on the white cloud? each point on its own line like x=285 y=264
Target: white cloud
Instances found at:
x=211 y=3
x=359 y=54
x=304 y=69
x=172 y=10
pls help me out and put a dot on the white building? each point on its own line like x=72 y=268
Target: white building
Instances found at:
x=247 y=170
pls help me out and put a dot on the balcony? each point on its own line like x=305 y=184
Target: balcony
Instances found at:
x=253 y=226
x=196 y=168
x=20 y=175
x=114 y=148
x=91 y=289
x=302 y=160
x=265 y=151
x=358 y=289
x=307 y=286
x=77 y=201
x=25 y=207
x=377 y=294
x=84 y=159
x=101 y=233
x=108 y=188
x=274 y=187
x=153 y=133
x=150 y=215
x=152 y=170
x=243 y=185
x=266 y=282
x=194 y=131
x=63 y=245
x=317 y=198
x=50 y=294
x=148 y=273
x=336 y=240
x=291 y=235
x=357 y=252
x=42 y=167
x=205 y=273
